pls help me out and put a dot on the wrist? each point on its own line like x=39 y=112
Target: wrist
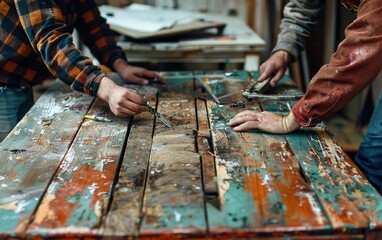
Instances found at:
x=119 y=64
x=105 y=88
x=290 y=123
x=287 y=58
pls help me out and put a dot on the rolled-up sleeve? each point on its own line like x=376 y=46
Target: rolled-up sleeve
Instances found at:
x=354 y=65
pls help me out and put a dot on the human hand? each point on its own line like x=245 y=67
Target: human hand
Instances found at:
x=276 y=64
x=264 y=121
x=123 y=102
x=134 y=74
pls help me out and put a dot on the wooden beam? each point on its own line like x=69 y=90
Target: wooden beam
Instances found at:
x=251 y=18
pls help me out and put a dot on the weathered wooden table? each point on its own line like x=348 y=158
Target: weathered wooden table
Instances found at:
x=63 y=176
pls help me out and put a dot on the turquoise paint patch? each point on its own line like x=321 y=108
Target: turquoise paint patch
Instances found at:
x=239 y=209
x=313 y=166
x=84 y=215
x=9 y=219
x=75 y=198
x=332 y=192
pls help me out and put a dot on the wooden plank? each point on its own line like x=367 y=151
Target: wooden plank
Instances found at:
x=236 y=209
x=349 y=201
x=124 y=216
x=259 y=183
x=334 y=193
x=295 y=194
x=251 y=20
x=173 y=201
x=30 y=155
x=206 y=153
x=368 y=201
x=79 y=194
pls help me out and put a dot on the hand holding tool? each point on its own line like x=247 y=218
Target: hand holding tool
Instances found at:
x=256 y=91
x=257 y=87
x=164 y=120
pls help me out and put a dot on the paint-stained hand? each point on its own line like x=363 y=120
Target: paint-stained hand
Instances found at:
x=134 y=74
x=276 y=65
x=123 y=102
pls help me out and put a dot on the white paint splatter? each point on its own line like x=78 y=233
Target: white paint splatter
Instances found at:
x=178 y=216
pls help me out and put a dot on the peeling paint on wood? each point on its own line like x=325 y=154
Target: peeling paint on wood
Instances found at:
x=30 y=155
x=206 y=152
x=173 y=201
x=65 y=177
x=125 y=214
x=79 y=194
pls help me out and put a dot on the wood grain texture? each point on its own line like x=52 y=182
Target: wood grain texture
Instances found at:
x=349 y=200
x=173 y=201
x=125 y=213
x=63 y=177
x=31 y=154
x=236 y=210
x=205 y=150
x=261 y=187
x=79 y=194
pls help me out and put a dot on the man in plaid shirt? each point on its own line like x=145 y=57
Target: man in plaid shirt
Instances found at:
x=36 y=44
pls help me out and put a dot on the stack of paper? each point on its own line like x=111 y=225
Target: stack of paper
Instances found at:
x=145 y=18
x=143 y=21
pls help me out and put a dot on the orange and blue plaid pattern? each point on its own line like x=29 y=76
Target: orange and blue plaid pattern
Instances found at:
x=36 y=43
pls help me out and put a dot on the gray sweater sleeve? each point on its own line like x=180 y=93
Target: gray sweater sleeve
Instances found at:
x=299 y=18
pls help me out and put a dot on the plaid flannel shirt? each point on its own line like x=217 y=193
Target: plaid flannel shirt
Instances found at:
x=36 y=43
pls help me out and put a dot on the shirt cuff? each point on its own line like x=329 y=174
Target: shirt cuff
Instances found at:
x=94 y=84
x=114 y=58
x=302 y=115
x=293 y=52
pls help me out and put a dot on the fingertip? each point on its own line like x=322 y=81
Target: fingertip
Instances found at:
x=236 y=129
x=161 y=79
x=232 y=122
x=272 y=83
x=261 y=78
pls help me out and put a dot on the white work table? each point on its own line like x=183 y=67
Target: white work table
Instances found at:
x=238 y=44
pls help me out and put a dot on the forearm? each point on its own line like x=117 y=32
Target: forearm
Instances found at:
x=354 y=65
x=97 y=35
x=49 y=37
x=299 y=18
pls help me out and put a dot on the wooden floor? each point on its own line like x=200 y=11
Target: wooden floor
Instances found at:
x=64 y=176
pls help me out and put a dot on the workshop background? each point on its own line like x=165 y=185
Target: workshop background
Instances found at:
x=264 y=16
